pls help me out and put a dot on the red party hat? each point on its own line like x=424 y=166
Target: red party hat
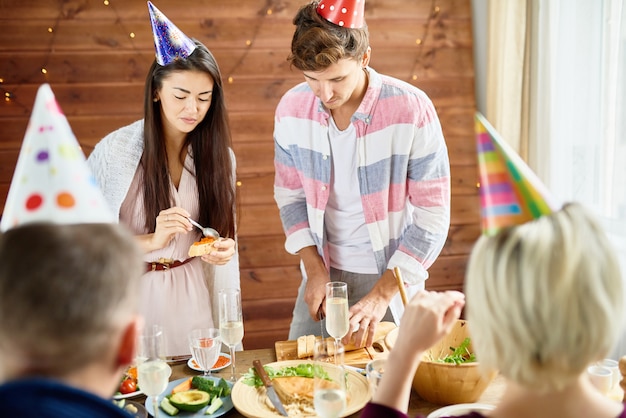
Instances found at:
x=345 y=13
x=52 y=181
x=510 y=193
x=170 y=42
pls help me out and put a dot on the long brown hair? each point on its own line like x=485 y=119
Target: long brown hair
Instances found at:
x=210 y=142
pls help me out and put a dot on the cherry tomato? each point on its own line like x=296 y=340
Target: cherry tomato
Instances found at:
x=128 y=386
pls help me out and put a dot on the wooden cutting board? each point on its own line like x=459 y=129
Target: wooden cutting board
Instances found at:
x=357 y=357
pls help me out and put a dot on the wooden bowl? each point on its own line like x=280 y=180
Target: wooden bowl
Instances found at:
x=447 y=383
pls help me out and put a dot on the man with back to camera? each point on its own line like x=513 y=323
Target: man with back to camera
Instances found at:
x=68 y=318
x=362 y=173
x=69 y=279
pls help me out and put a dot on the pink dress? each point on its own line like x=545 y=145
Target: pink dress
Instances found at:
x=177 y=299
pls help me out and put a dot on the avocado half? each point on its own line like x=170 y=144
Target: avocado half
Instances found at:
x=190 y=400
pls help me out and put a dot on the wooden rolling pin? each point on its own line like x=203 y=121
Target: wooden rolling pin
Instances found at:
x=400 y=283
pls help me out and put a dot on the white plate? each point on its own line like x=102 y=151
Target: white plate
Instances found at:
x=127 y=395
x=191 y=363
x=228 y=402
x=460 y=409
x=252 y=402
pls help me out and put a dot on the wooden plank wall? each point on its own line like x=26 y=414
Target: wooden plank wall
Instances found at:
x=97 y=70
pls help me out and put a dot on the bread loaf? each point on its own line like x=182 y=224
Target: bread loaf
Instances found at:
x=306 y=343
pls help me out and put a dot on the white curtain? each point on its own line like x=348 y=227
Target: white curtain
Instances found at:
x=507 y=85
x=577 y=129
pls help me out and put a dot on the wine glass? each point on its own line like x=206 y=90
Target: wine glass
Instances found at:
x=329 y=396
x=153 y=372
x=337 y=322
x=205 y=345
x=231 y=322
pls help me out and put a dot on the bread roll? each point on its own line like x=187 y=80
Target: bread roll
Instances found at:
x=204 y=246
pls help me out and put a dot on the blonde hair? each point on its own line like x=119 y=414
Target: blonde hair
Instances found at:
x=545 y=299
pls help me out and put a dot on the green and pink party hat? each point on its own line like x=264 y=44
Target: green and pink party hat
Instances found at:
x=510 y=192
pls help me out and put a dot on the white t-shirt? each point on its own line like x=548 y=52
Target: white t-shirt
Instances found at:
x=348 y=239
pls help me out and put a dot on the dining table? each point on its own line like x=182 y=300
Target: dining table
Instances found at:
x=243 y=363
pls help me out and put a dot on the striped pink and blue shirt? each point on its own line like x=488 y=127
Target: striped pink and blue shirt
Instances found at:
x=403 y=173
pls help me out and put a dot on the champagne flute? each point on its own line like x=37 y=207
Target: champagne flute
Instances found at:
x=329 y=396
x=231 y=322
x=337 y=322
x=153 y=372
x=205 y=345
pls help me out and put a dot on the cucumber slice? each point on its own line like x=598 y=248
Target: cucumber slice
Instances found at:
x=216 y=403
x=168 y=408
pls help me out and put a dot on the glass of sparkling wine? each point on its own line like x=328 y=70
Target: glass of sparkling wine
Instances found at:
x=231 y=322
x=337 y=323
x=205 y=345
x=153 y=372
x=329 y=396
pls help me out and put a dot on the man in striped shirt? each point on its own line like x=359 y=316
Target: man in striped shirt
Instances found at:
x=362 y=174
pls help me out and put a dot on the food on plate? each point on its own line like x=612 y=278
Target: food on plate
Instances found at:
x=167 y=407
x=221 y=362
x=191 y=400
x=298 y=390
x=195 y=393
x=216 y=404
x=204 y=246
x=209 y=386
x=183 y=386
x=128 y=384
x=304 y=369
x=132 y=408
x=293 y=384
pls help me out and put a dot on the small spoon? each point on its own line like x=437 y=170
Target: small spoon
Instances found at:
x=207 y=232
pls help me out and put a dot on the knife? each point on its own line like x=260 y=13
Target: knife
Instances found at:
x=271 y=392
x=321 y=316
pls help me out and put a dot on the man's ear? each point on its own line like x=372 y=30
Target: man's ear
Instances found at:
x=128 y=344
x=365 y=60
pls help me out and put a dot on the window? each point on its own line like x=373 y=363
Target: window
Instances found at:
x=578 y=111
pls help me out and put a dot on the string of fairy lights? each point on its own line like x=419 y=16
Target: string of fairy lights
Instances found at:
x=11 y=95
x=421 y=41
x=41 y=73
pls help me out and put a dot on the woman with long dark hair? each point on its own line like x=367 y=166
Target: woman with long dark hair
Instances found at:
x=174 y=165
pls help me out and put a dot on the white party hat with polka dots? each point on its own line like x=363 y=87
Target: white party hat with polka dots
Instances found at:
x=52 y=181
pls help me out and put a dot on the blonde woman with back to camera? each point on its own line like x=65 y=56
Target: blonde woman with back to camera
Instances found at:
x=544 y=300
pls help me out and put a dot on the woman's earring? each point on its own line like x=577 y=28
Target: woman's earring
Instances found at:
x=156 y=99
